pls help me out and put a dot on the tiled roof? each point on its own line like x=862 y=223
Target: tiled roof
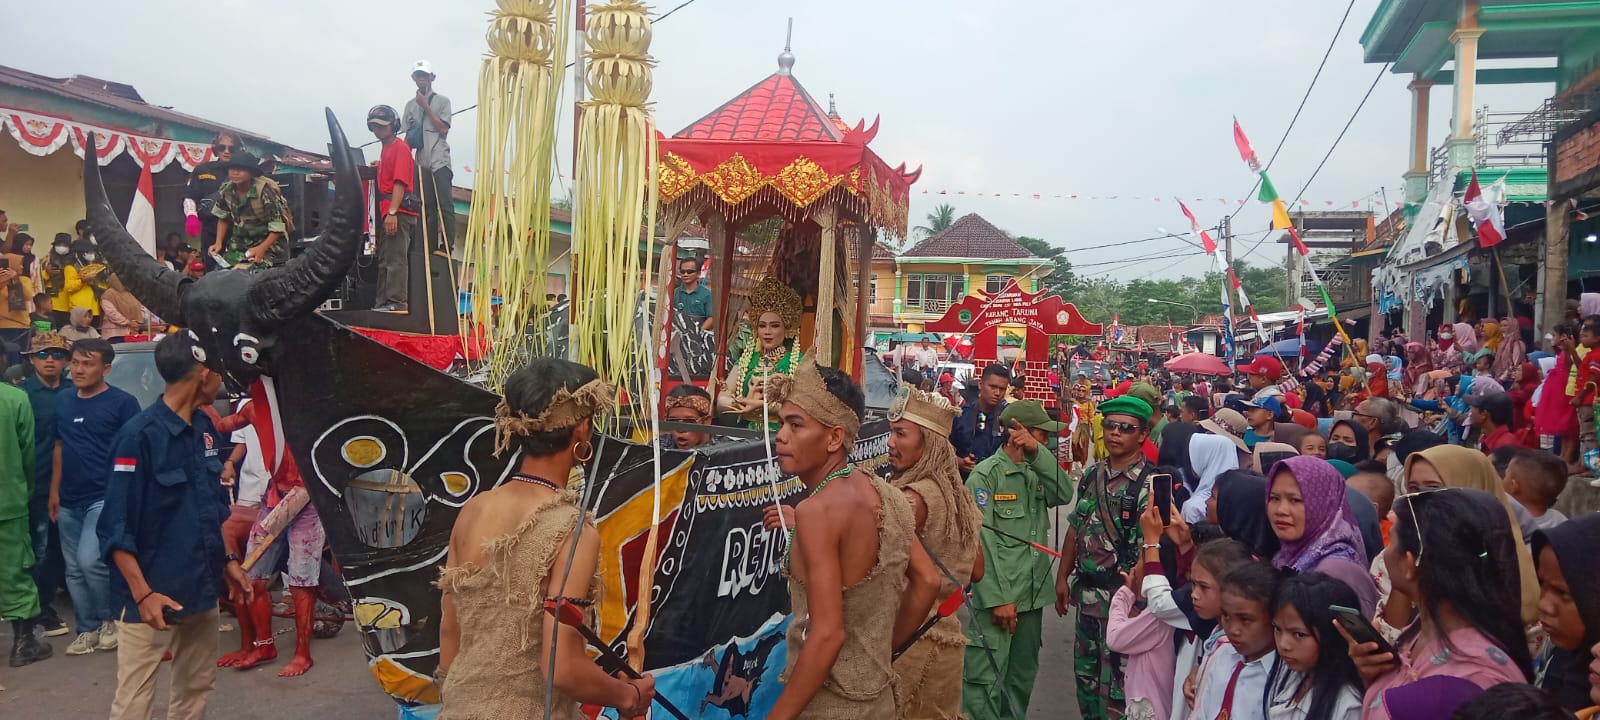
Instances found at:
x=115 y=95
x=776 y=108
x=970 y=237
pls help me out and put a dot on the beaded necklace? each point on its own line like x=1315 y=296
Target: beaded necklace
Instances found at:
x=536 y=480
x=788 y=546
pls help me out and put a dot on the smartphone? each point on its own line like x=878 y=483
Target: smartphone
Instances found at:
x=22 y=227
x=169 y=616
x=1161 y=494
x=5 y=263
x=1360 y=628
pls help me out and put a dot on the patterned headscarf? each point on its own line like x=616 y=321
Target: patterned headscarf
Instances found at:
x=1330 y=524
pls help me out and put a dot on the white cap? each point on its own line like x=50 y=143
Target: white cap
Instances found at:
x=422 y=66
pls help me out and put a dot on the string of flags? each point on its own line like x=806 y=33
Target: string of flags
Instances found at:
x=1374 y=203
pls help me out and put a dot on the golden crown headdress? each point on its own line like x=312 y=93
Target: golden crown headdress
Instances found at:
x=772 y=295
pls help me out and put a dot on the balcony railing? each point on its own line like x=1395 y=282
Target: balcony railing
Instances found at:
x=1507 y=139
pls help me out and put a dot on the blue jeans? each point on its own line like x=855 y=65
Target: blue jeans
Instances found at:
x=88 y=579
x=48 y=570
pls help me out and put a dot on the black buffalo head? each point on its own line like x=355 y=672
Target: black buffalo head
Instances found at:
x=235 y=315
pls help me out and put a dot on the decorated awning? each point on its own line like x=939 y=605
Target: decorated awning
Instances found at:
x=773 y=147
x=41 y=135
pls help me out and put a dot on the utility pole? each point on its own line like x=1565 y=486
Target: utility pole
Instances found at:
x=1227 y=239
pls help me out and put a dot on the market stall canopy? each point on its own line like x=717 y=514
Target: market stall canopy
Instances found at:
x=1293 y=347
x=773 y=147
x=1198 y=363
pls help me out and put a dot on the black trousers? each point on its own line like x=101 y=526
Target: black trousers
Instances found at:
x=439 y=213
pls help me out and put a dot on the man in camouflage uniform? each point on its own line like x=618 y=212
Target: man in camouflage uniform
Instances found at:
x=1102 y=542
x=254 y=208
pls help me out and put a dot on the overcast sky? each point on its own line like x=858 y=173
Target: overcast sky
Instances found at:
x=1048 y=96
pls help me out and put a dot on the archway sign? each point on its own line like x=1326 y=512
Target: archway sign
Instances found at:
x=982 y=314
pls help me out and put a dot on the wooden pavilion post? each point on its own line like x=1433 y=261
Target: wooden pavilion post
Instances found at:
x=715 y=225
x=865 y=247
x=827 y=277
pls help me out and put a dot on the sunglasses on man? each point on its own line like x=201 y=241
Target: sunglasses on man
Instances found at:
x=223 y=147
x=51 y=354
x=1125 y=428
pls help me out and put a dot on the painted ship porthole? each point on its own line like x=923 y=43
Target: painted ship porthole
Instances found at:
x=363 y=451
x=456 y=483
x=387 y=508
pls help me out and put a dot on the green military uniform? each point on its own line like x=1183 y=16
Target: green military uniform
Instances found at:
x=19 y=599
x=1106 y=525
x=252 y=215
x=1014 y=497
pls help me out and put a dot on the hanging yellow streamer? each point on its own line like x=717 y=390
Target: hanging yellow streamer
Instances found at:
x=614 y=174
x=506 y=252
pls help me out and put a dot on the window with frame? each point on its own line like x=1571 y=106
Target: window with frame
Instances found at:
x=996 y=284
x=914 y=290
x=872 y=290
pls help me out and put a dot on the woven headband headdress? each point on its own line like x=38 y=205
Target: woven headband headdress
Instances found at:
x=693 y=402
x=566 y=409
x=772 y=295
x=932 y=411
x=807 y=389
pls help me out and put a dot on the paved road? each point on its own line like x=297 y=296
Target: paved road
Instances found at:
x=74 y=688
x=80 y=688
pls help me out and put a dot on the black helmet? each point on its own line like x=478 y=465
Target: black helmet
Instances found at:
x=382 y=115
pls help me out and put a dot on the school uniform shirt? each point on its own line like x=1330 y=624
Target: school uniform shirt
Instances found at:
x=166 y=508
x=1249 y=691
x=86 y=427
x=1347 y=706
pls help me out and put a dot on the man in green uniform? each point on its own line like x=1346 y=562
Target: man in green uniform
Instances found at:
x=19 y=599
x=253 y=207
x=49 y=355
x=1102 y=542
x=1014 y=489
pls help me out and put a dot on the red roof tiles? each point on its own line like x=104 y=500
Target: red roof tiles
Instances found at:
x=776 y=108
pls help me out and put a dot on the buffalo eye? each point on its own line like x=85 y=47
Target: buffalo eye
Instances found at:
x=249 y=354
x=199 y=353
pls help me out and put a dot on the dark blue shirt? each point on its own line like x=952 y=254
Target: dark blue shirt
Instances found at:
x=970 y=439
x=43 y=400
x=165 y=506
x=85 y=427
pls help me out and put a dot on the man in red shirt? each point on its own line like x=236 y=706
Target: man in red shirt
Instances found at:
x=1491 y=414
x=395 y=172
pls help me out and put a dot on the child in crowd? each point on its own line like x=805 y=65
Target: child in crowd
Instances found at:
x=1588 y=378
x=1569 y=607
x=1314 y=679
x=39 y=320
x=1233 y=678
x=1193 y=609
x=1536 y=478
x=1313 y=444
x=1380 y=490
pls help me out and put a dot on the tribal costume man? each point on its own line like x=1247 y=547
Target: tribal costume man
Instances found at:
x=1088 y=440
x=880 y=589
x=512 y=548
x=775 y=314
x=924 y=468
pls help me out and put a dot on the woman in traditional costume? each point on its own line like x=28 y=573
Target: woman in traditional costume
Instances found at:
x=512 y=549
x=775 y=309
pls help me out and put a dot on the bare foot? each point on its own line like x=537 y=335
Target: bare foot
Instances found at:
x=260 y=654
x=234 y=658
x=298 y=665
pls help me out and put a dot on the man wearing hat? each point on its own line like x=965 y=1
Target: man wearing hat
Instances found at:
x=252 y=207
x=399 y=223
x=1014 y=490
x=1491 y=414
x=1101 y=543
x=1263 y=375
x=48 y=355
x=923 y=466
x=427 y=124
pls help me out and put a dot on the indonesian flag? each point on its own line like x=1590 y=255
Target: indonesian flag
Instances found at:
x=1194 y=225
x=142 y=214
x=124 y=464
x=1485 y=215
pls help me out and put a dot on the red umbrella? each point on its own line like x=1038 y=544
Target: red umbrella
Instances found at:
x=1199 y=363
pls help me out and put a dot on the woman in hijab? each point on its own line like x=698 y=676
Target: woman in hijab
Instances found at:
x=1569 y=607
x=1512 y=351
x=1489 y=330
x=1418 y=365
x=1347 y=441
x=1466 y=338
x=1316 y=527
x=1240 y=509
x=1447 y=351
x=1588 y=304
x=1210 y=456
x=1464 y=467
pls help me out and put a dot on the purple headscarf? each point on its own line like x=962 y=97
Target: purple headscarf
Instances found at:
x=1330 y=523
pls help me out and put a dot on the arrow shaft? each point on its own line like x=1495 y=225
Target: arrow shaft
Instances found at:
x=1041 y=548
x=613 y=662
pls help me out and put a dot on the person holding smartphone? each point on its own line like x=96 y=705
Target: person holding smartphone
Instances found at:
x=426 y=120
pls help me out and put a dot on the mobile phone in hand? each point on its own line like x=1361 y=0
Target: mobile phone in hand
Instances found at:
x=1161 y=491
x=169 y=616
x=1360 y=628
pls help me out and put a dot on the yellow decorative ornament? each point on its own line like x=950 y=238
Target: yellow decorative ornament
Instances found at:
x=773 y=295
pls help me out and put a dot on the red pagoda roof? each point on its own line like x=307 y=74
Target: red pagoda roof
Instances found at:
x=777 y=108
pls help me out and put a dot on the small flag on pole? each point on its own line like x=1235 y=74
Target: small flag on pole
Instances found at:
x=1485 y=215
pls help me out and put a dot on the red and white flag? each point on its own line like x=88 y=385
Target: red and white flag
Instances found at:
x=142 y=214
x=1194 y=226
x=1485 y=215
x=124 y=464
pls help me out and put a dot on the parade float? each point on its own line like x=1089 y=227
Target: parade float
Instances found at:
x=391 y=447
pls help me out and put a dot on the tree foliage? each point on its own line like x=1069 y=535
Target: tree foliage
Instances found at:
x=939 y=220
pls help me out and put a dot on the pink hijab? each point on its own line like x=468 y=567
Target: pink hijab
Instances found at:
x=1466 y=337
x=1330 y=525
